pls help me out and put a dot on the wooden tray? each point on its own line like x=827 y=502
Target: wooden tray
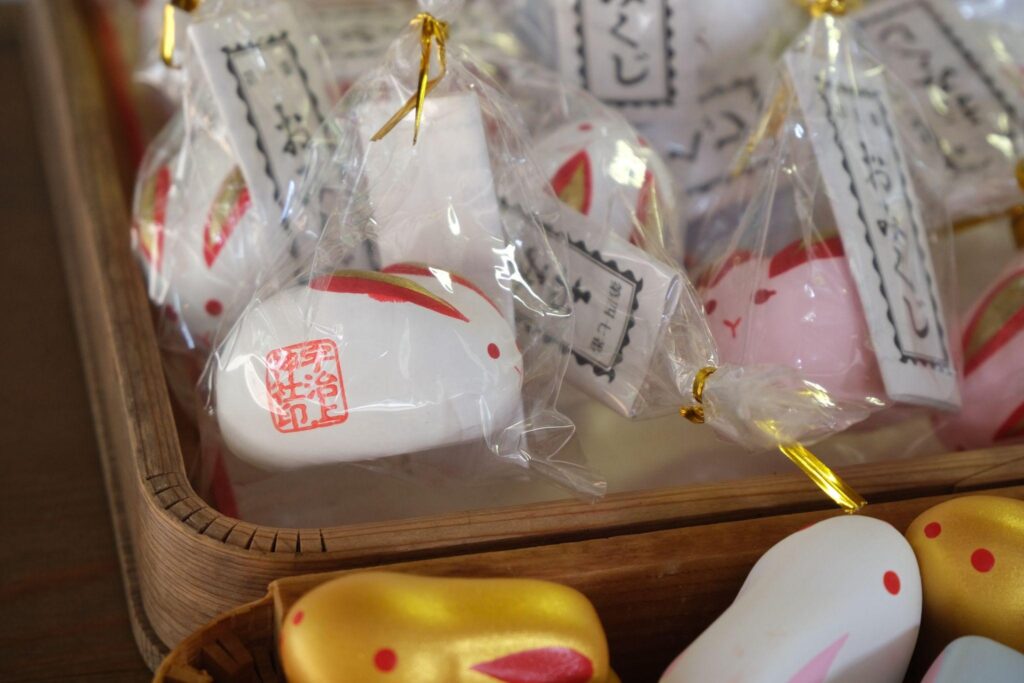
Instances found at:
x=184 y=563
x=655 y=592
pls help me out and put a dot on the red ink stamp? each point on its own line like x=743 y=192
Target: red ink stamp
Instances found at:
x=305 y=387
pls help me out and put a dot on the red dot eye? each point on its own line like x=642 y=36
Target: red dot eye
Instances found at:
x=297 y=617
x=493 y=351
x=214 y=307
x=385 y=659
x=762 y=295
x=892 y=582
x=710 y=306
x=932 y=529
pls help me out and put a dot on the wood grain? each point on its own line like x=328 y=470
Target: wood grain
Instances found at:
x=64 y=611
x=183 y=562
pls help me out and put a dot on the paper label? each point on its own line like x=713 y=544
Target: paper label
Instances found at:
x=864 y=169
x=624 y=51
x=975 y=107
x=621 y=298
x=356 y=34
x=435 y=202
x=270 y=92
x=700 y=147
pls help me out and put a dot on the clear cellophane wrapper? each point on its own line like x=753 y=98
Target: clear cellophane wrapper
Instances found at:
x=199 y=233
x=412 y=343
x=641 y=336
x=1002 y=22
x=965 y=73
x=354 y=34
x=779 y=284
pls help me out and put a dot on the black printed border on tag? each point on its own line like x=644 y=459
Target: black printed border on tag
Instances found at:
x=942 y=364
x=669 y=98
x=230 y=53
x=958 y=45
x=635 y=285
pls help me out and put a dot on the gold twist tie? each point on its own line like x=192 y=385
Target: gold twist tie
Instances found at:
x=167 y=32
x=836 y=8
x=821 y=474
x=431 y=30
x=695 y=413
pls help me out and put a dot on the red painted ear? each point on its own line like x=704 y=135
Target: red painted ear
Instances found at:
x=542 y=665
x=712 y=276
x=1013 y=427
x=424 y=271
x=999 y=317
x=800 y=252
x=386 y=288
x=228 y=209
x=646 y=206
x=153 y=215
x=573 y=184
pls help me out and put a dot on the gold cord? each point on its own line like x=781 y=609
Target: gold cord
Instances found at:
x=431 y=30
x=821 y=474
x=837 y=8
x=167 y=33
x=695 y=412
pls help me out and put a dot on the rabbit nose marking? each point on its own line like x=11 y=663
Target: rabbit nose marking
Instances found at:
x=732 y=325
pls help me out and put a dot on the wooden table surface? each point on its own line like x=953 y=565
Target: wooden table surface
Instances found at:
x=62 y=607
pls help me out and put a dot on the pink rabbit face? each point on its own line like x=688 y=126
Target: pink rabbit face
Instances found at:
x=801 y=310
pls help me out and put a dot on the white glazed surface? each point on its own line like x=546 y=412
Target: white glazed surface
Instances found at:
x=614 y=166
x=817 y=607
x=205 y=276
x=973 y=659
x=412 y=378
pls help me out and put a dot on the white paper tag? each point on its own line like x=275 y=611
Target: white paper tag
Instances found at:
x=701 y=146
x=974 y=107
x=621 y=299
x=863 y=166
x=625 y=52
x=269 y=90
x=356 y=33
x=435 y=202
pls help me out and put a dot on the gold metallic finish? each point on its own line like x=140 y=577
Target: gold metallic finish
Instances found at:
x=167 y=36
x=401 y=628
x=695 y=413
x=167 y=32
x=818 y=8
x=971 y=554
x=821 y=474
x=432 y=31
x=1006 y=303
